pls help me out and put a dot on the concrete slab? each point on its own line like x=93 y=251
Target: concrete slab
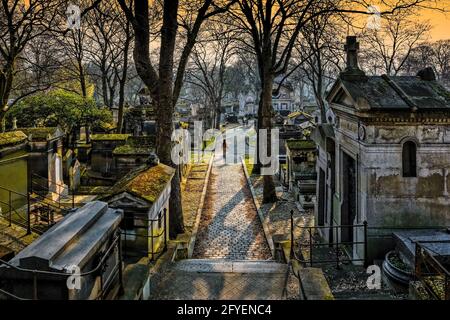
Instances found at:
x=314 y=284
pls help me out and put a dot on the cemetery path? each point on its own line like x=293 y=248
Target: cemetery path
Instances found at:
x=230 y=228
x=231 y=258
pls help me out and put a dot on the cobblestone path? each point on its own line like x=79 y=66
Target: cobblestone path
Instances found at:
x=230 y=227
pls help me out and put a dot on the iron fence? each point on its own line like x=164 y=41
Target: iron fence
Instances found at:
x=40 y=186
x=312 y=243
x=430 y=271
x=22 y=215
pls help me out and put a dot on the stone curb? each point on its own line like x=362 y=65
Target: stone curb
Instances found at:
x=227 y=266
x=264 y=221
x=200 y=209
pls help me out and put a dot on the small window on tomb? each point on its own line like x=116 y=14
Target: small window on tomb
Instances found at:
x=128 y=222
x=409 y=160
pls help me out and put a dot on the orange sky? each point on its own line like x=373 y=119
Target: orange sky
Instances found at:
x=440 y=22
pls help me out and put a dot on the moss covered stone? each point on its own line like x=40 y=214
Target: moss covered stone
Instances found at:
x=83 y=144
x=109 y=137
x=136 y=146
x=12 y=138
x=145 y=182
x=300 y=144
x=39 y=134
x=131 y=150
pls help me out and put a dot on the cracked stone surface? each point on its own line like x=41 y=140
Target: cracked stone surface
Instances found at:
x=230 y=227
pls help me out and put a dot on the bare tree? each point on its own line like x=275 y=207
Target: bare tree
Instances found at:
x=441 y=50
x=391 y=45
x=20 y=22
x=318 y=52
x=430 y=54
x=211 y=58
x=111 y=35
x=273 y=27
x=74 y=59
x=163 y=85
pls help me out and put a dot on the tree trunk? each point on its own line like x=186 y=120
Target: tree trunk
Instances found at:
x=217 y=115
x=83 y=86
x=257 y=166
x=121 y=108
x=269 y=194
x=123 y=79
x=6 y=82
x=165 y=112
x=104 y=85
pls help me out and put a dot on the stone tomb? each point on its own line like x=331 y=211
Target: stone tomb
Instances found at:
x=437 y=242
x=45 y=150
x=143 y=194
x=133 y=154
x=386 y=161
x=13 y=170
x=103 y=146
x=86 y=242
x=301 y=170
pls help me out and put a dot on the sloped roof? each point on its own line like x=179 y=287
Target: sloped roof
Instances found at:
x=146 y=182
x=293 y=144
x=392 y=93
x=109 y=137
x=299 y=113
x=42 y=133
x=12 y=138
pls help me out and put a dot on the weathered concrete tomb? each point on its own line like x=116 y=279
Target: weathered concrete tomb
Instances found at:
x=103 y=146
x=45 y=151
x=13 y=169
x=79 y=258
x=133 y=154
x=143 y=194
x=301 y=169
x=386 y=159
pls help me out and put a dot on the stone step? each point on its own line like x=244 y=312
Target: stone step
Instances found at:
x=227 y=266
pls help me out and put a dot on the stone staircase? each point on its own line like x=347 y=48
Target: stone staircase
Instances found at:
x=217 y=279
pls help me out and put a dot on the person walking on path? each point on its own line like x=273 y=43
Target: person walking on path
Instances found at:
x=224 y=149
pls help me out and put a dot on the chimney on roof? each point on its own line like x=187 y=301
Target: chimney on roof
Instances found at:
x=352 y=69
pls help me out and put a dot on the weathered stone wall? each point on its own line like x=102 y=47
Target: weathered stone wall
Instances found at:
x=384 y=197
x=398 y=201
x=13 y=176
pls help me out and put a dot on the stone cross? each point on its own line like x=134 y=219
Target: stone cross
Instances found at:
x=352 y=48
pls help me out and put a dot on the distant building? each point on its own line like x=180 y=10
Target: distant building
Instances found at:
x=284 y=101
